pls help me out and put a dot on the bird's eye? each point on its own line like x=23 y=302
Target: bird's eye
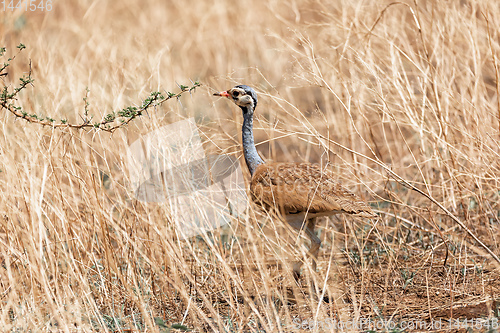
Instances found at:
x=236 y=93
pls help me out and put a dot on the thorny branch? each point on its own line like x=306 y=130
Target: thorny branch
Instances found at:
x=109 y=122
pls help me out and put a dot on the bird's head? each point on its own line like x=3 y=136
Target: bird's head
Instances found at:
x=242 y=95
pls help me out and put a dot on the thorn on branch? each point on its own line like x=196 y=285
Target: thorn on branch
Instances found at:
x=110 y=122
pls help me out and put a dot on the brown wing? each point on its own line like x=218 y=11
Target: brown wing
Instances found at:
x=303 y=187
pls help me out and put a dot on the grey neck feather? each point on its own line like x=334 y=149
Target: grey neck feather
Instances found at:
x=252 y=158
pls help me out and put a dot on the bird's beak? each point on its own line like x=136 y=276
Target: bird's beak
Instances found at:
x=222 y=94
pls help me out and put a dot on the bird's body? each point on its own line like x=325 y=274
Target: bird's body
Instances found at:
x=292 y=188
x=298 y=192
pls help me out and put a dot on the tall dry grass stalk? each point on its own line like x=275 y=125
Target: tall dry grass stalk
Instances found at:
x=410 y=88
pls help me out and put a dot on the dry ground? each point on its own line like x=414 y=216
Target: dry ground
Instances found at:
x=409 y=88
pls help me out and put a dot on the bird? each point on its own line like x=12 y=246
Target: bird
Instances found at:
x=299 y=192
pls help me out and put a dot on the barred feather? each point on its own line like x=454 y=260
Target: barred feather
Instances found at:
x=304 y=187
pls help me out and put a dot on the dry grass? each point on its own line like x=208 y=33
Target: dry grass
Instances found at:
x=409 y=87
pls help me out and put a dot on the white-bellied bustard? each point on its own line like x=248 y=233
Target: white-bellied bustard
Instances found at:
x=299 y=192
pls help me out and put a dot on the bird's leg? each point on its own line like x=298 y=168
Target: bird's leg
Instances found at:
x=296 y=221
x=296 y=269
x=315 y=241
x=313 y=250
x=310 y=225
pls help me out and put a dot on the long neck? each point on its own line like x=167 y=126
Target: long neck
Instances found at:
x=252 y=158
